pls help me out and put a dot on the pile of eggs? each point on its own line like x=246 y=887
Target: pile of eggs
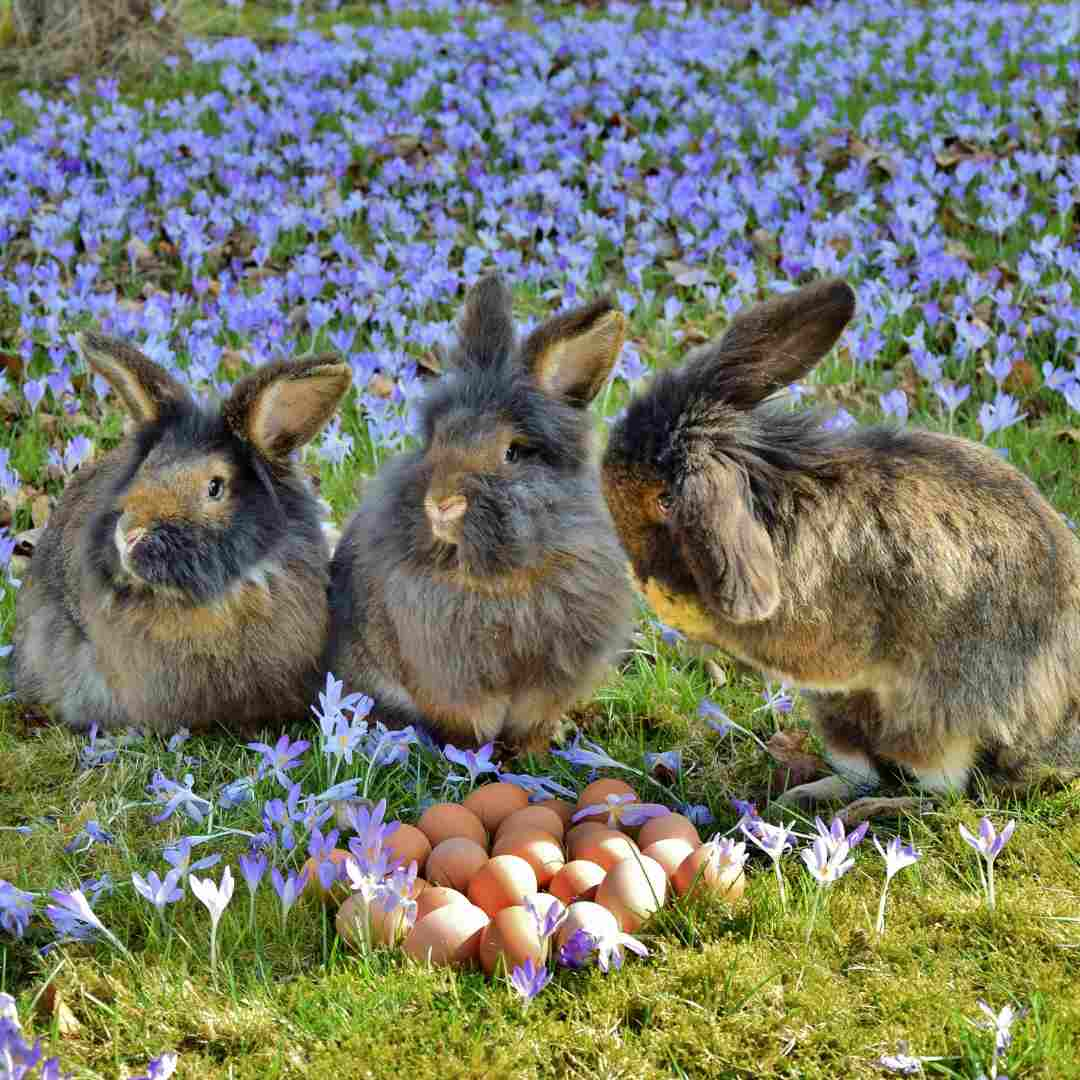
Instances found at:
x=479 y=861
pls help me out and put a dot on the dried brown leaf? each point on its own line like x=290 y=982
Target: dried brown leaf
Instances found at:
x=797 y=764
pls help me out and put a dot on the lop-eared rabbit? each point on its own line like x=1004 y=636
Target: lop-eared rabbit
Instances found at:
x=916 y=587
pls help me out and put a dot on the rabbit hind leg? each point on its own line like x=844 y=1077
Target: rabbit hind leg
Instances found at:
x=846 y=723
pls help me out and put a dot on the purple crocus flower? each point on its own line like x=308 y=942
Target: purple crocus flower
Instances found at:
x=668 y=760
x=90 y=834
x=16 y=908
x=178 y=856
x=589 y=755
x=714 y=716
x=278 y=759
x=622 y=810
x=159 y=892
x=252 y=868
x=177 y=796
x=289 y=889
x=477 y=762
x=988 y=844
x=160 y=1068
x=576 y=950
x=528 y=980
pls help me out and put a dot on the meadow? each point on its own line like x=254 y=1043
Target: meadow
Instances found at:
x=299 y=179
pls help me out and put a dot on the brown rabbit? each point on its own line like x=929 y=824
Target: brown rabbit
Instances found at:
x=181 y=580
x=917 y=587
x=480 y=588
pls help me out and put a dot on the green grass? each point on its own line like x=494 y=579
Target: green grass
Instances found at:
x=751 y=992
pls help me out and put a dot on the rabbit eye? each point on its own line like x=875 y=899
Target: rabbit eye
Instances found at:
x=513 y=453
x=663 y=504
x=216 y=488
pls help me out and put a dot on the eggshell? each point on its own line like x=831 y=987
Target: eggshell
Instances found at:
x=444 y=821
x=667 y=826
x=501 y=883
x=512 y=936
x=701 y=871
x=633 y=890
x=449 y=935
x=669 y=853
x=561 y=807
x=435 y=897
x=608 y=848
x=455 y=862
x=598 y=791
x=538 y=848
x=575 y=837
x=340 y=889
x=577 y=880
x=387 y=928
x=533 y=817
x=408 y=844
x=494 y=803
x=587 y=916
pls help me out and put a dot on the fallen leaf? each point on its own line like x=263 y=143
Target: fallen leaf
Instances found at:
x=797 y=765
x=53 y=1007
x=716 y=672
x=1022 y=377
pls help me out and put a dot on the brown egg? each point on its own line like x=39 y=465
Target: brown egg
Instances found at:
x=590 y=917
x=705 y=871
x=512 y=936
x=455 y=862
x=577 y=880
x=501 y=883
x=339 y=889
x=444 y=821
x=493 y=803
x=575 y=837
x=633 y=890
x=385 y=928
x=537 y=847
x=448 y=935
x=607 y=848
x=665 y=827
x=561 y=807
x=598 y=791
x=435 y=897
x=408 y=844
x=533 y=817
x=669 y=853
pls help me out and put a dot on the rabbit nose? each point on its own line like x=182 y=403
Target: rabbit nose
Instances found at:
x=133 y=536
x=445 y=511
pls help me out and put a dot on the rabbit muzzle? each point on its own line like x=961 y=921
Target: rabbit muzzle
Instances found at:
x=445 y=516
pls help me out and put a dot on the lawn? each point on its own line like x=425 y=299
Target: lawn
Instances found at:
x=295 y=182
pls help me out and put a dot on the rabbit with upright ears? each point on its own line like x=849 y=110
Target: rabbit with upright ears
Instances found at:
x=181 y=580
x=916 y=587
x=480 y=589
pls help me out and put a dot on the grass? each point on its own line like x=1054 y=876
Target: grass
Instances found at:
x=754 y=991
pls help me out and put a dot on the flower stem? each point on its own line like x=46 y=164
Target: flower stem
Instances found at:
x=780 y=884
x=990 y=898
x=213 y=949
x=881 y=908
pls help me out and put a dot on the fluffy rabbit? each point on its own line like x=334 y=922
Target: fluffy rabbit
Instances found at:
x=480 y=589
x=916 y=586
x=181 y=580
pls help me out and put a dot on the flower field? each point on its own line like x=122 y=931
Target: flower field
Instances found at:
x=301 y=180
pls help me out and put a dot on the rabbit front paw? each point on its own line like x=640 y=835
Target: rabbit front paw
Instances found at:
x=829 y=789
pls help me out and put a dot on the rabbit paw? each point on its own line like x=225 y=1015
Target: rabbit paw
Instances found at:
x=831 y=788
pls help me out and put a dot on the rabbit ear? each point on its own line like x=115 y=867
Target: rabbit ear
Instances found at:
x=487 y=325
x=725 y=547
x=571 y=355
x=779 y=341
x=146 y=389
x=284 y=405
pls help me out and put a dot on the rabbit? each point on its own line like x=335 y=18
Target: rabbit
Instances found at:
x=181 y=580
x=916 y=587
x=479 y=589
